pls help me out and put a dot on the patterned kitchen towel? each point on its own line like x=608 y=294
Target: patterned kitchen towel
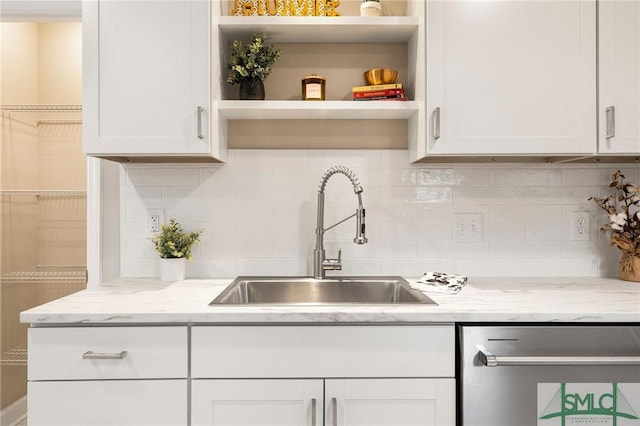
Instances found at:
x=439 y=282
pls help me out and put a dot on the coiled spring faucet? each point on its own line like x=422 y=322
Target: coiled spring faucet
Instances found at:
x=320 y=263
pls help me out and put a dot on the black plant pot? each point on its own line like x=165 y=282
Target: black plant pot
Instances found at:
x=252 y=89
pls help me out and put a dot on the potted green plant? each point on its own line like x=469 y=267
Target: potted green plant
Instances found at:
x=174 y=244
x=250 y=64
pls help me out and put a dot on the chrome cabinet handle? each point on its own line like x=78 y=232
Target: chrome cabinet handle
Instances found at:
x=610 y=113
x=490 y=360
x=99 y=355
x=334 y=405
x=200 y=111
x=313 y=412
x=435 y=128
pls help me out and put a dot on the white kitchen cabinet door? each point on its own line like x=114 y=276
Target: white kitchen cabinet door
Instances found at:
x=256 y=402
x=619 y=80
x=510 y=78
x=108 y=403
x=390 y=402
x=146 y=78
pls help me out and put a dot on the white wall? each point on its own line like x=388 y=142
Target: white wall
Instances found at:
x=259 y=213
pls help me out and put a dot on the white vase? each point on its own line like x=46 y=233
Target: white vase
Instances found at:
x=370 y=8
x=173 y=269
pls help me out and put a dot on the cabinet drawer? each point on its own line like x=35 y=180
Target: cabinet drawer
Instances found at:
x=108 y=403
x=322 y=351
x=94 y=353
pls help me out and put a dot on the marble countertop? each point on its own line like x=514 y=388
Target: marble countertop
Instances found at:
x=144 y=301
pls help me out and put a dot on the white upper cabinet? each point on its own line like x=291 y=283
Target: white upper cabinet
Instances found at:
x=619 y=79
x=146 y=79
x=510 y=78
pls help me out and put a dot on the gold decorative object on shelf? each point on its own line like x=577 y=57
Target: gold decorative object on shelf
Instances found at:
x=285 y=8
x=380 y=76
x=313 y=88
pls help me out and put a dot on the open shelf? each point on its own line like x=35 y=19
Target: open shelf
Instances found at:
x=321 y=29
x=317 y=110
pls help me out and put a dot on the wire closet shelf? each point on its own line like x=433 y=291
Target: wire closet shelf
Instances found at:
x=45 y=108
x=61 y=280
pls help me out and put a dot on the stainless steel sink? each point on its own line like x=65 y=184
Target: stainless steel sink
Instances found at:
x=327 y=291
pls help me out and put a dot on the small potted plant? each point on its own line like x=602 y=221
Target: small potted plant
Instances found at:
x=623 y=208
x=370 y=8
x=174 y=244
x=250 y=65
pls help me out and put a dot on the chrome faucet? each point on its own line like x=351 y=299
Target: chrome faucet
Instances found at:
x=320 y=263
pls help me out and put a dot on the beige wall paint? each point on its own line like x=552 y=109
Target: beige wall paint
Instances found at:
x=19 y=42
x=60 y=63
x=41 y=64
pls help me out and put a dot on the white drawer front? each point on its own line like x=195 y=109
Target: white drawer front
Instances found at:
x=151 y=352
x=322 y=351
x=108 y=403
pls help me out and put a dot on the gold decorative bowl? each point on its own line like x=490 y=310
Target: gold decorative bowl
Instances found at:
x=380 y=76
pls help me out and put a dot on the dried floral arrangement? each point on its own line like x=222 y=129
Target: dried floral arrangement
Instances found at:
x=251 y=60
x=623 y=208
x=174 y=242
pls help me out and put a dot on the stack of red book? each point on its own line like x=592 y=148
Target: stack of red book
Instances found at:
x=381 y=92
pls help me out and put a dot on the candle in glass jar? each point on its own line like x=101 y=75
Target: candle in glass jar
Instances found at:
x=313 y=88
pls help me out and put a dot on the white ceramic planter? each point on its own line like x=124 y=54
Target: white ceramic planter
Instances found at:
x=370 y=8
x=173 y=269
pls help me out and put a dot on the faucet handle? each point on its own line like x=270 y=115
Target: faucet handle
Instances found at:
x=333 y=264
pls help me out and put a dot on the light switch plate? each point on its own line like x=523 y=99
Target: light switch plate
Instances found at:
x=467 y=227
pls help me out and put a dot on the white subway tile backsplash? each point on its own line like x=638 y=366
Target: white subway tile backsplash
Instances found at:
x=563 y=195
x=415 y=267
x=525 y=249
x=488 y=195
x=206 y=268
x=152 y=195
x=416 y=194
x=578 y=249
x=163 y=176
x=142 y=248
x=398 y=158
x=186 y=212
x=136 y=212
x=561 y=267
x=272 y=266
x=259 y=215
x=136 y=267
x=505 y=231
x=379 y=212
x=547 y=231
x=525 y=213
x=491 y=267
x=452 y=176
x=526 y=177
x=434 y=213
x=438 y=248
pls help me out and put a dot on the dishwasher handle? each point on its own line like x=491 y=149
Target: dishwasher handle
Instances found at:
x=490 y=360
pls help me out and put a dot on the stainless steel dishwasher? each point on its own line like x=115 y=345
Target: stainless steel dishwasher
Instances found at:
x=549 y=375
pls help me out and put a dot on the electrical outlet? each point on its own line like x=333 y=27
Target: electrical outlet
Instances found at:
x=154 y=220
x=580 y=226
x=467 y=227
